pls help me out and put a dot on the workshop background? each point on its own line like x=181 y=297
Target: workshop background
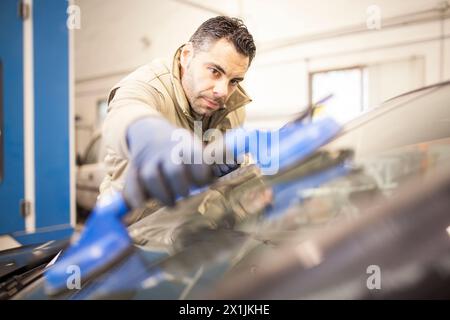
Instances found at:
x=296 y=40
x=60 y=58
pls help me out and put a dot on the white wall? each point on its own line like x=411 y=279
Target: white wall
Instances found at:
x=117 y=36
x=373 y=48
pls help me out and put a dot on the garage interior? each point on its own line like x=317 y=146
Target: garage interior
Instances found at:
x=346 y=59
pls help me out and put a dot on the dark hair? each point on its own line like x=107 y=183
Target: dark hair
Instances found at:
x=232 y=29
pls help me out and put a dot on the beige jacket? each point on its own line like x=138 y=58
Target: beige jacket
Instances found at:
x=155 y=90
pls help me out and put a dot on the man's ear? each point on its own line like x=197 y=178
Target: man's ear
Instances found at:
x=187 y=53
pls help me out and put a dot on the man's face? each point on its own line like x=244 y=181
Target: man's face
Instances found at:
x=211 y=75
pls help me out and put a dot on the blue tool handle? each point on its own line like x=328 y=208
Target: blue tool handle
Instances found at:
x=103 y=241
x=112 y=205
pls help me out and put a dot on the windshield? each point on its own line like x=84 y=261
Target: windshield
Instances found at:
x=225 y=229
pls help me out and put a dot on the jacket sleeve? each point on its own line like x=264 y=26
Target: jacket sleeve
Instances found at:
x=127 y=103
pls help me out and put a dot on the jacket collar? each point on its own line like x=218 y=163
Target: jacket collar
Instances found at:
x=238 y=99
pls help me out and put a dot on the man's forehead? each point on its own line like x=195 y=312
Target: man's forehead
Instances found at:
x=224 y=54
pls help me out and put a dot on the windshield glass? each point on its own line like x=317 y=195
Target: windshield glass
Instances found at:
x=224 y=229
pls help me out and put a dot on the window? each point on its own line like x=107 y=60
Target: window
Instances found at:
x=349 y=89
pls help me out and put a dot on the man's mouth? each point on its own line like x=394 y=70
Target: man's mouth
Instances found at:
x=211 y=104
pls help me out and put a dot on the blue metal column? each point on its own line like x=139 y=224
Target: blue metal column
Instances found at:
x=12 y=145
x=51 y=76
x=51 y=121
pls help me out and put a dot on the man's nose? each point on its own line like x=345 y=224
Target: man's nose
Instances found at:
x=220 y=89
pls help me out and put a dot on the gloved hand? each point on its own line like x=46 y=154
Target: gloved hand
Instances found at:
x=159 y=169
x=220 y=170
x=278 y=149
x=260 y=144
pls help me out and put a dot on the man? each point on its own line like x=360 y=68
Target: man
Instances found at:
x=144 y=109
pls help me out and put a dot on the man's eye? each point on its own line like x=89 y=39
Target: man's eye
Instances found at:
x=234 y=82
x=214 y=71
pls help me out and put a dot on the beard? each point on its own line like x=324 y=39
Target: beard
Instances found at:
x=205 y=105
x=202 y=103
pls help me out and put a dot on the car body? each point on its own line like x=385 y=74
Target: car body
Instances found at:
x=90 y=173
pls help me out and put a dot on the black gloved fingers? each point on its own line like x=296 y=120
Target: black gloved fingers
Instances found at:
x=134 y=192
x=155 y=182
x=177 y=178
x=223 y=169
x=216 y=170
x=200 y=174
